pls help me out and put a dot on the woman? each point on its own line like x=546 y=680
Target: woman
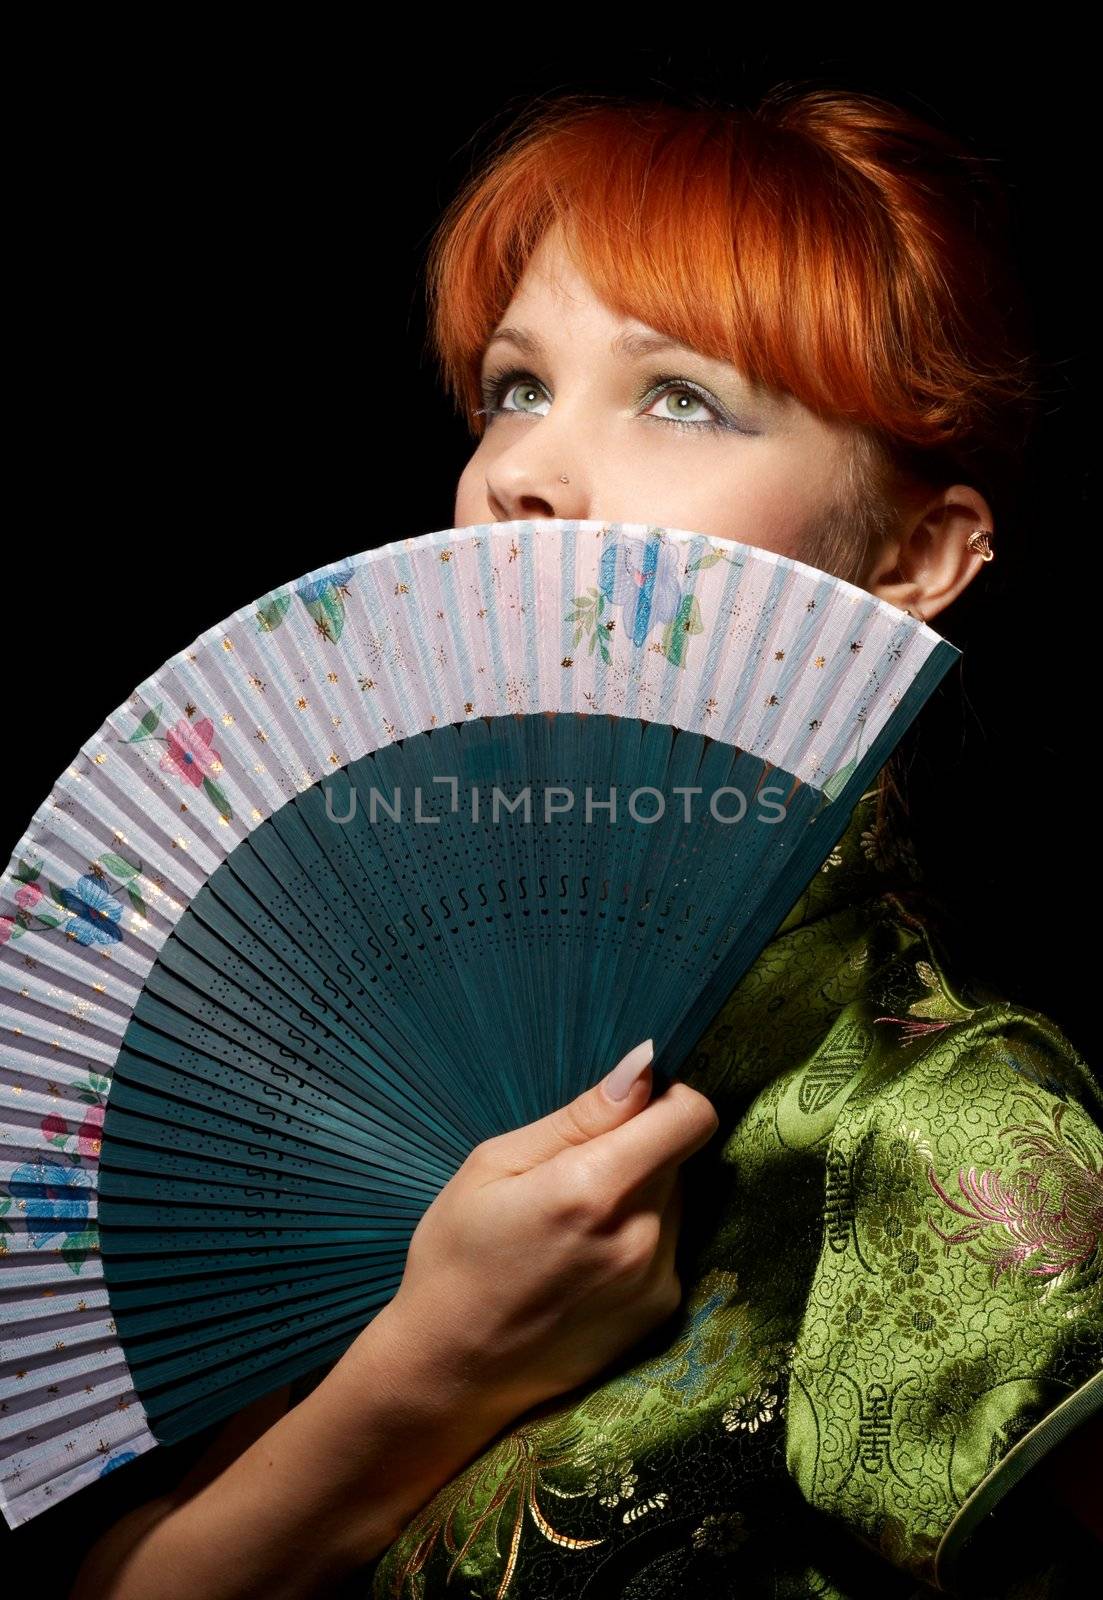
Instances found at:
x=885 y=1305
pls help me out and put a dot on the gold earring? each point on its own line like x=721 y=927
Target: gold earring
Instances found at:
x=916 y=613
x=978 y=540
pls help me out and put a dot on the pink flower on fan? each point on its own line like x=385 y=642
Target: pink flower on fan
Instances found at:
x=28 y=895
x=189 y=750
x=7 y=926
x=90 y=1132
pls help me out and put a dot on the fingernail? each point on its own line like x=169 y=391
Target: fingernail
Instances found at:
x=618 y=1085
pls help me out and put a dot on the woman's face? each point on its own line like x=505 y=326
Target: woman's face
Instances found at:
x=666 y=436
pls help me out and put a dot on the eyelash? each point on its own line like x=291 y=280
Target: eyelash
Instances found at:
x=496 y=386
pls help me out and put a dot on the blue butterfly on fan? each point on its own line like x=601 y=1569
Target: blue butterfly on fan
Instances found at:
x=324 y=598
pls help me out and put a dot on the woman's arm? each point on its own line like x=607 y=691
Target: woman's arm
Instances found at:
x=105 y=1557
x=320 y=1493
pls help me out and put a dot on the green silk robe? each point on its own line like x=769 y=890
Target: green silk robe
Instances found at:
x=892 y=1297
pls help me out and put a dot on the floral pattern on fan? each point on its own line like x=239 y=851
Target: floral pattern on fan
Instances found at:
x=191 y=756
x=88 y=912
x=323 y=598
x=56 y=1196
x=55 y=1201
x=642 y=578
x=56 y=1131
x=189 y=752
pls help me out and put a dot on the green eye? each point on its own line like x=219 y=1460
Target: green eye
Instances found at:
x=681 y=394
x=525 y=392
x=529 y=392
x=495 y=388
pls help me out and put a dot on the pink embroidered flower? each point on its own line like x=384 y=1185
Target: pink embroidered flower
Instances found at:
x=28 y=895
x=53 y=1125
x=1044 y=1218
x=7 y=925
x=189 y=750
x=89 y=1134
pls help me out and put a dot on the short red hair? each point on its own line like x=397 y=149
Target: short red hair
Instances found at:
x=829 y=244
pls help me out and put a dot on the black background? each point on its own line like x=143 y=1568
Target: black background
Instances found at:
x=219 y=252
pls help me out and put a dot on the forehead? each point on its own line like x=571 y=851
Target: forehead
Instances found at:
x=554 y=290
x=552 y=272
x=553 y=283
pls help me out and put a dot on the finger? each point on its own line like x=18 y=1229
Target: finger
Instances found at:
x=666 y=1254
x=617 y=1164
x=653 y=1194
x=580 y=1120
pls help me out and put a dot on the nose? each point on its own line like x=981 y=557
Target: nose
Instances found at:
x=521 y=490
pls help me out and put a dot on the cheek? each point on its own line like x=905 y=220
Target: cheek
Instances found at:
x=781 y=509
x=471 y=501
x=752 y=507
x=786 y=491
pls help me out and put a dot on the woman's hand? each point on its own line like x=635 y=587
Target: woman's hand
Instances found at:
x=552 y=1249
x=548 y=1253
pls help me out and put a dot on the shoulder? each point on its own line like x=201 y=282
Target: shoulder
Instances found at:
x=950 y=1046
x=993 y=1123
x=953 y=1331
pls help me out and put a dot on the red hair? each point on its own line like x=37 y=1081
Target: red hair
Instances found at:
x=829 y=244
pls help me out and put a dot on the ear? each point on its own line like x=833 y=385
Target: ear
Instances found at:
x=927 y=562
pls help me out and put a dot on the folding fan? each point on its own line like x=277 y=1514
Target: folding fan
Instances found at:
x=287 y=940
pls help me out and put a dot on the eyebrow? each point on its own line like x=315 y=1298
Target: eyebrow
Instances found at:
x=628 y=345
